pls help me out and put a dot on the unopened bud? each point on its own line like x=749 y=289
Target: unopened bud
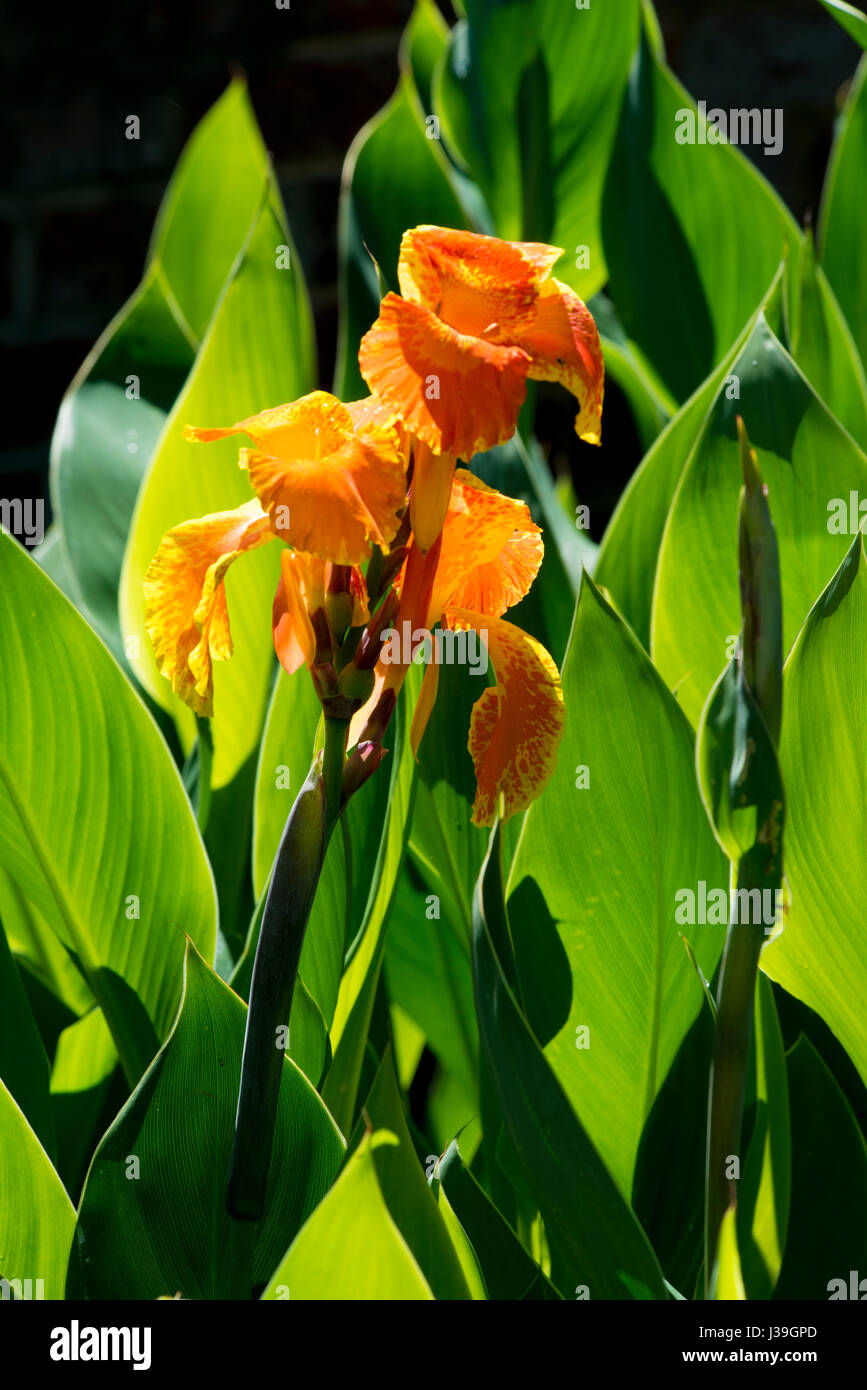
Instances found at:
x=371 y=639
x=356 y=684
x=360 y=765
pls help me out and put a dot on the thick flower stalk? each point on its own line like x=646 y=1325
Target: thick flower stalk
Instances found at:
x=390 y=551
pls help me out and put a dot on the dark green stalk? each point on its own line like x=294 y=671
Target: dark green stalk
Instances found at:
x=294 y=880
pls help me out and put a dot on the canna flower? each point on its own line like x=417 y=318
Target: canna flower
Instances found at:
x=330 y=476
x=488 y=555
x=330 y=481
x=451 y=358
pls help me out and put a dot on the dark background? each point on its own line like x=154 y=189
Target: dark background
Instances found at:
x=79 y=199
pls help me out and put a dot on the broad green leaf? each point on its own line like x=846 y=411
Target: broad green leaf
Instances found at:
x=256 y=354
x=630 y=546
x=806 y=460
x=508 y=1270
x=727 y=1278
x=23 y=1060
x=395 y=177
x=350 y=1249
x=422 y=47
x=153 y=1218
x=852 y=20
x=828 y=1222
x=94 y=824
x=536 y=140
x=411 y=1203
x=427 y=969
x=618 y=835
x=668 y=1188
x=207 y=210
x=599 y=1242
x=106 y=431
x=841 y=218
x=36 y=1216
x=819 y=957
x=688 y=211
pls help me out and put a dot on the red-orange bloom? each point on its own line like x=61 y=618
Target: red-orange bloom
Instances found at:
x=477 y=318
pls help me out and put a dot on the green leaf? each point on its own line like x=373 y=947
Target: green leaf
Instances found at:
x=394 y=178
x=687 y=211
x=427 y=968
x=209 y=205
x=411 y=1203
x=819 y=956
x=828 y=1223
x=257 y=353
x=727 y=1278
x=822 y=344
x=599 y=1242
x=23 y=1060
x=93 y=814
x=595 y=884
x=509 y=1272
x=852 y=20
x=630 y=546
x=87 y=1088
x=36 y=1216
x=737 y=767
x=764 y=1191
x=806 y=460
x=159 y=1225
x=536 y=141
x=109 y=422
x=841 y=218
x=350 y=1249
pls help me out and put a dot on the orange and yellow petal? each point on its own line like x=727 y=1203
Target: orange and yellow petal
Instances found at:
x=480 y=285
x=300 y=593
x=315 y=424
x=458 y=394
x=563 y=344
x=517 y=725
x=491 y=550
x=185 y=601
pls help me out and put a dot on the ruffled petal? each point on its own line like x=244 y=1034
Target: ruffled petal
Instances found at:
x=491 y=551
x=185 y=601
x=563 y=344
x=516 y=726
x=458 y=394
x=481 y=286
x=330 y=485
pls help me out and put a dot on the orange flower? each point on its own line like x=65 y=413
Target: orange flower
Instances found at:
x=185 y=599
x=487 y=558
x=478 y=317
x=331 y=477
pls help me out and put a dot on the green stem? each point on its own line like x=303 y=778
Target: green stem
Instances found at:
x=294 y=880
x=731 y=1056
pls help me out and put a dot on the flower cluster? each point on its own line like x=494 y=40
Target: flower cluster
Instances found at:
x=380 y=527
